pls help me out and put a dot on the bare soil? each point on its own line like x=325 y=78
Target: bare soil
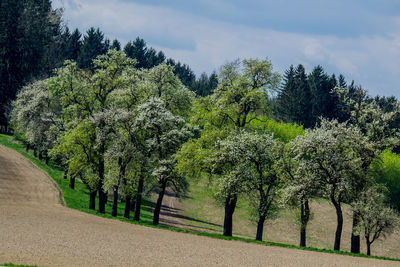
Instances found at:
x=36 y=229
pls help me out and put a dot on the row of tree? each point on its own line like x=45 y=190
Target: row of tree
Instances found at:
x=248 y=156
x=84 y=50
x=305 y=98
x=128 y=131
x=115 y=127
x=34 y=41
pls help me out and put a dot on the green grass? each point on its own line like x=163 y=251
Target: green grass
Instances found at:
x=13 y=265
x=79 y=199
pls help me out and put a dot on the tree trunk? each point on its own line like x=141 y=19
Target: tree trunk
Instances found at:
x=102 y=194
x=368 y=246
x=304 y=218
x=65 y=173
x=28 y=146
x=355 y=239
x=260 y=228
x=72 y=182
x=303 y=236
x=34 y=152
x=339 y=227
x=40 y=155
x=230 y=205
x=114 y=209
x=133 y=204
x=157 y=209
x=92 y=201
x=139 y=198
x=127 y=207
x=47 y=159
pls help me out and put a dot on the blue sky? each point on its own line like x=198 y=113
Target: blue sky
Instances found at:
x=360 y=39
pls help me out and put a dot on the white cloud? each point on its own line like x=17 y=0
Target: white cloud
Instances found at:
x=206 y=44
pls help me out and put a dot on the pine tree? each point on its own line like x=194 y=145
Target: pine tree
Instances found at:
x=116 y=45
x=286 y=96
x=93 y=45
x=30 y=40
x=212 y=83
x=73 y=45
x=10 y=57
x=302 y=89
x=153 y=58
x=137 y=50
x=342 y=81
x=321 y=86
x=183 y=71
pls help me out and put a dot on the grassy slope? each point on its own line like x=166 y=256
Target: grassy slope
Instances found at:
x=208 y=216
x=79 y=198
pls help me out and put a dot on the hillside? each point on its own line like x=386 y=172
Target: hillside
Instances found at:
x=38 y=229
x=206 y=215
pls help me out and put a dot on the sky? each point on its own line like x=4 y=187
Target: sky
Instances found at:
x=357 y=38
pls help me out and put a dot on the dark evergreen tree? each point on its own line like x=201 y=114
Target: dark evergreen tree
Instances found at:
x=200 y=86
x=73 y=45
x=93 y=45
x=322 y=99
x=30 y=40
x=107 y=45
x=65 y=36
x=205 y=84
x=293 y=101
x=342 y=81
x=212 y=83
x=116 y=45
x=11 y=76
x=153 y=58
x=183 y=71
x=286 y=97
x=304 y=107
x=137 y=50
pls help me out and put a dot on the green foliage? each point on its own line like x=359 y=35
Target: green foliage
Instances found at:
x=73 y=45
x=285 y=132
x=30 y=45
x=93 y=45
x=245 y=163
x=165 y=135
x=366 y=114
x=386 y=171
x=81 y=199
x=304 y=98
x=147 y=58
x=335 y=154
x=377 y=220
x=205 y=85
x=33 y=115
x=239 y=99
x=77 y=198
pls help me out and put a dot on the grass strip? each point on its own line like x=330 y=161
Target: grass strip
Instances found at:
x=13 y=265
x=79 y=199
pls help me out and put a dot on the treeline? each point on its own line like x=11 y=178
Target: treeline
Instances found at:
x=30 y=42
x=84 y=49
x=34 y=41
x=304 y=98
x=126 y=121
x=126 y=131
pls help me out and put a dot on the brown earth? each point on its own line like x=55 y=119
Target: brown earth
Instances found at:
x=36 y=229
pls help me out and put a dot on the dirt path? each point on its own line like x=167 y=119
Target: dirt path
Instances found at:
x=36 y=229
